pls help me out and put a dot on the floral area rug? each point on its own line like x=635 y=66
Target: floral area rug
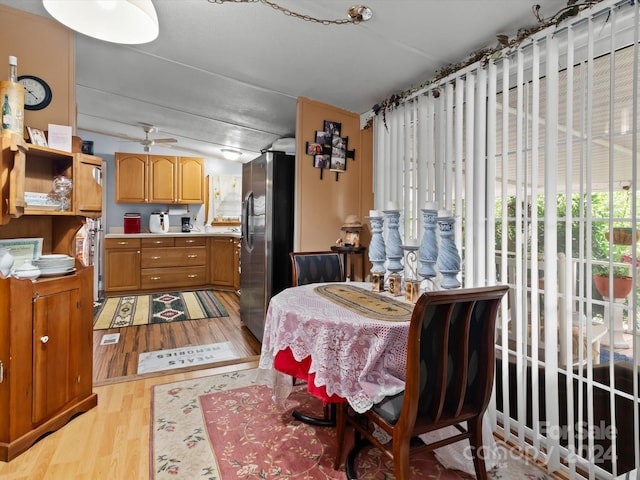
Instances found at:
x=225 y=427
x=131 y=310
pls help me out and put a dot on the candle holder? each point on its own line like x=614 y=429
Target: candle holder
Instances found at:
x=394 y=243
x=429 y=247
x=377 y=247
x=411 y=280
x=448 y=262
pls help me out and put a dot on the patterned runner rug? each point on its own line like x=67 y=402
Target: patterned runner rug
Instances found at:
x=225 y=427
x=131 y=310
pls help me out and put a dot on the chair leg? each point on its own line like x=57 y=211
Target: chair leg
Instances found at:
x=477 y=448
x=400 y=449
x=341 y=411
x=328 y=420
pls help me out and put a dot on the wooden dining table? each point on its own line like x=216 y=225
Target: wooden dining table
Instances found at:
x=347 y=342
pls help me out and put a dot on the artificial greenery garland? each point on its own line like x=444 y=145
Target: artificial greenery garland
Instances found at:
x=572 y=9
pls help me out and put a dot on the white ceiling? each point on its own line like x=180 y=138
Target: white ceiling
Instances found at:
x=228 y=75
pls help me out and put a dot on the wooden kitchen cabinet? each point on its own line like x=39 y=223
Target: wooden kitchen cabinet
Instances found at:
x=223 y=253
x=27 y=169
x=190 y=180
x=175 y=265
x=163 y=172
x=142 y=178
x=131 y=178
x=121 y=265
x=236 y=264
x=87 y=173
x=46 y=348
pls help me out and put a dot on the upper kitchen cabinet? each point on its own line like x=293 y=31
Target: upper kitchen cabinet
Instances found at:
x=131 y=178
x=142 y=178
x=163 y=173
x=190 y=180
x=38 y=180
x=88 y=192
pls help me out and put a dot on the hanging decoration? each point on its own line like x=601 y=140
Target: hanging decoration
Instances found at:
x=329 y=149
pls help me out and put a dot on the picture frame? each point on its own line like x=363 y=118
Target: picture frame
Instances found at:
x=314 y=149
x=321 y=161
x=37 y=136
x=322 y=137
x=87 y=147
x=338 y=154
x=332 y=128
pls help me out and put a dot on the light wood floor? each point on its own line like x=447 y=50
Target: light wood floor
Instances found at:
x=118 y=362
x=109 y=442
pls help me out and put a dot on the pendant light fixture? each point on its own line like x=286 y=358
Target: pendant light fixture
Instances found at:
x=117 y=21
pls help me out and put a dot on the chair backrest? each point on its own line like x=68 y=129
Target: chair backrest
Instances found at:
x=315 y=267
x=451 y=355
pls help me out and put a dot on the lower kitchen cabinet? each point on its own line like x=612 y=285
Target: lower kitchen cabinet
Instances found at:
x=223 y=264
x=46 y=349
x=171 y=262
x=178 y=263
x=121 y=265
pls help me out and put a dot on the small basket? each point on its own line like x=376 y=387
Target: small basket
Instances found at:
x=622 y=236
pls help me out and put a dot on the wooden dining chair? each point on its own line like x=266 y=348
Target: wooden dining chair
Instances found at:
x=316 y=267
x=449 y=378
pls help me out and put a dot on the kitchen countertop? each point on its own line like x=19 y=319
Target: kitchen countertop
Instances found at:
x=118 y=232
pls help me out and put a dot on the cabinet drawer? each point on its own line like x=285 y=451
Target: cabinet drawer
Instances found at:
x=175 y=277
x=157 y=242
x=121 y=243
x=173 y=257
x=190 y=241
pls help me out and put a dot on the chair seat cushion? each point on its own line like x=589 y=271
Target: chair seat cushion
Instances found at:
x=389 y=408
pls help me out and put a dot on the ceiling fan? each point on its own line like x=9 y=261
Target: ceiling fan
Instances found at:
x=147 y=142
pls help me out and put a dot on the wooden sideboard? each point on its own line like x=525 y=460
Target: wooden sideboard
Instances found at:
x=46 y=326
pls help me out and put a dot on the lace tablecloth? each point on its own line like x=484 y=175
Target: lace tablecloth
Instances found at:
x=355 y=357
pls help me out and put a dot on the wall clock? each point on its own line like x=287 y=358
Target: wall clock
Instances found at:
x=37 y=93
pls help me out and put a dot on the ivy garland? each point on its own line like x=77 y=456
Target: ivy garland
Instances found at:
x=572 y=9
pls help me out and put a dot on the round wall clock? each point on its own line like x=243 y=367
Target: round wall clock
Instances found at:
x=37 y=93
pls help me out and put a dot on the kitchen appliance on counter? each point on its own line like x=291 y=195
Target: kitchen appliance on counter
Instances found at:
x=131 y=222
x=187 y=226
x=267 y=234
x=159 y=222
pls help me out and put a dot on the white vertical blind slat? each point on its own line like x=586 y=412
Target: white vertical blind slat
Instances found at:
x=469 y=173
x=478 y=275
x=534 y=128
x=550 y=246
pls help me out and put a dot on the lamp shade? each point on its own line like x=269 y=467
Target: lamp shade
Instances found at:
x=117 y=21
x=230 y=154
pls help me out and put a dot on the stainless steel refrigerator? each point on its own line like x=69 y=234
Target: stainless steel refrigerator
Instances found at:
x=267 y=234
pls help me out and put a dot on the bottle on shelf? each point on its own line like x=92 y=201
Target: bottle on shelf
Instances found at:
x=13 y=69
x=12 y=94
x=6 y=114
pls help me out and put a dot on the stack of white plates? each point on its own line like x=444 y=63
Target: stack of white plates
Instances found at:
x=55 y=264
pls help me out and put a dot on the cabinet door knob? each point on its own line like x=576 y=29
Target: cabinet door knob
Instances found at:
x=123 y=243
x=155 y=258
x=193 y=275
x=154 y=278
x=192 y=256
x=44 y=339
x=190 y=241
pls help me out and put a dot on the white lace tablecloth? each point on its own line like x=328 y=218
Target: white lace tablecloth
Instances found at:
x=353 y=356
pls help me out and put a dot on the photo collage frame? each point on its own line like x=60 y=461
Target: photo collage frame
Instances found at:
x=329 y=149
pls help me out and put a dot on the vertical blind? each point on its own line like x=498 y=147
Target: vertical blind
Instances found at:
x=518 y=147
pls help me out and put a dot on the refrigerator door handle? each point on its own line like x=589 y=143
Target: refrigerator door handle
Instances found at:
x=247 y=222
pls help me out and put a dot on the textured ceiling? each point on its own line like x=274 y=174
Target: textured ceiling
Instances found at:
x=228 y=75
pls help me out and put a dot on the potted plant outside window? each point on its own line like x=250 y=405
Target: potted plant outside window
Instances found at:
x=622 y=282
